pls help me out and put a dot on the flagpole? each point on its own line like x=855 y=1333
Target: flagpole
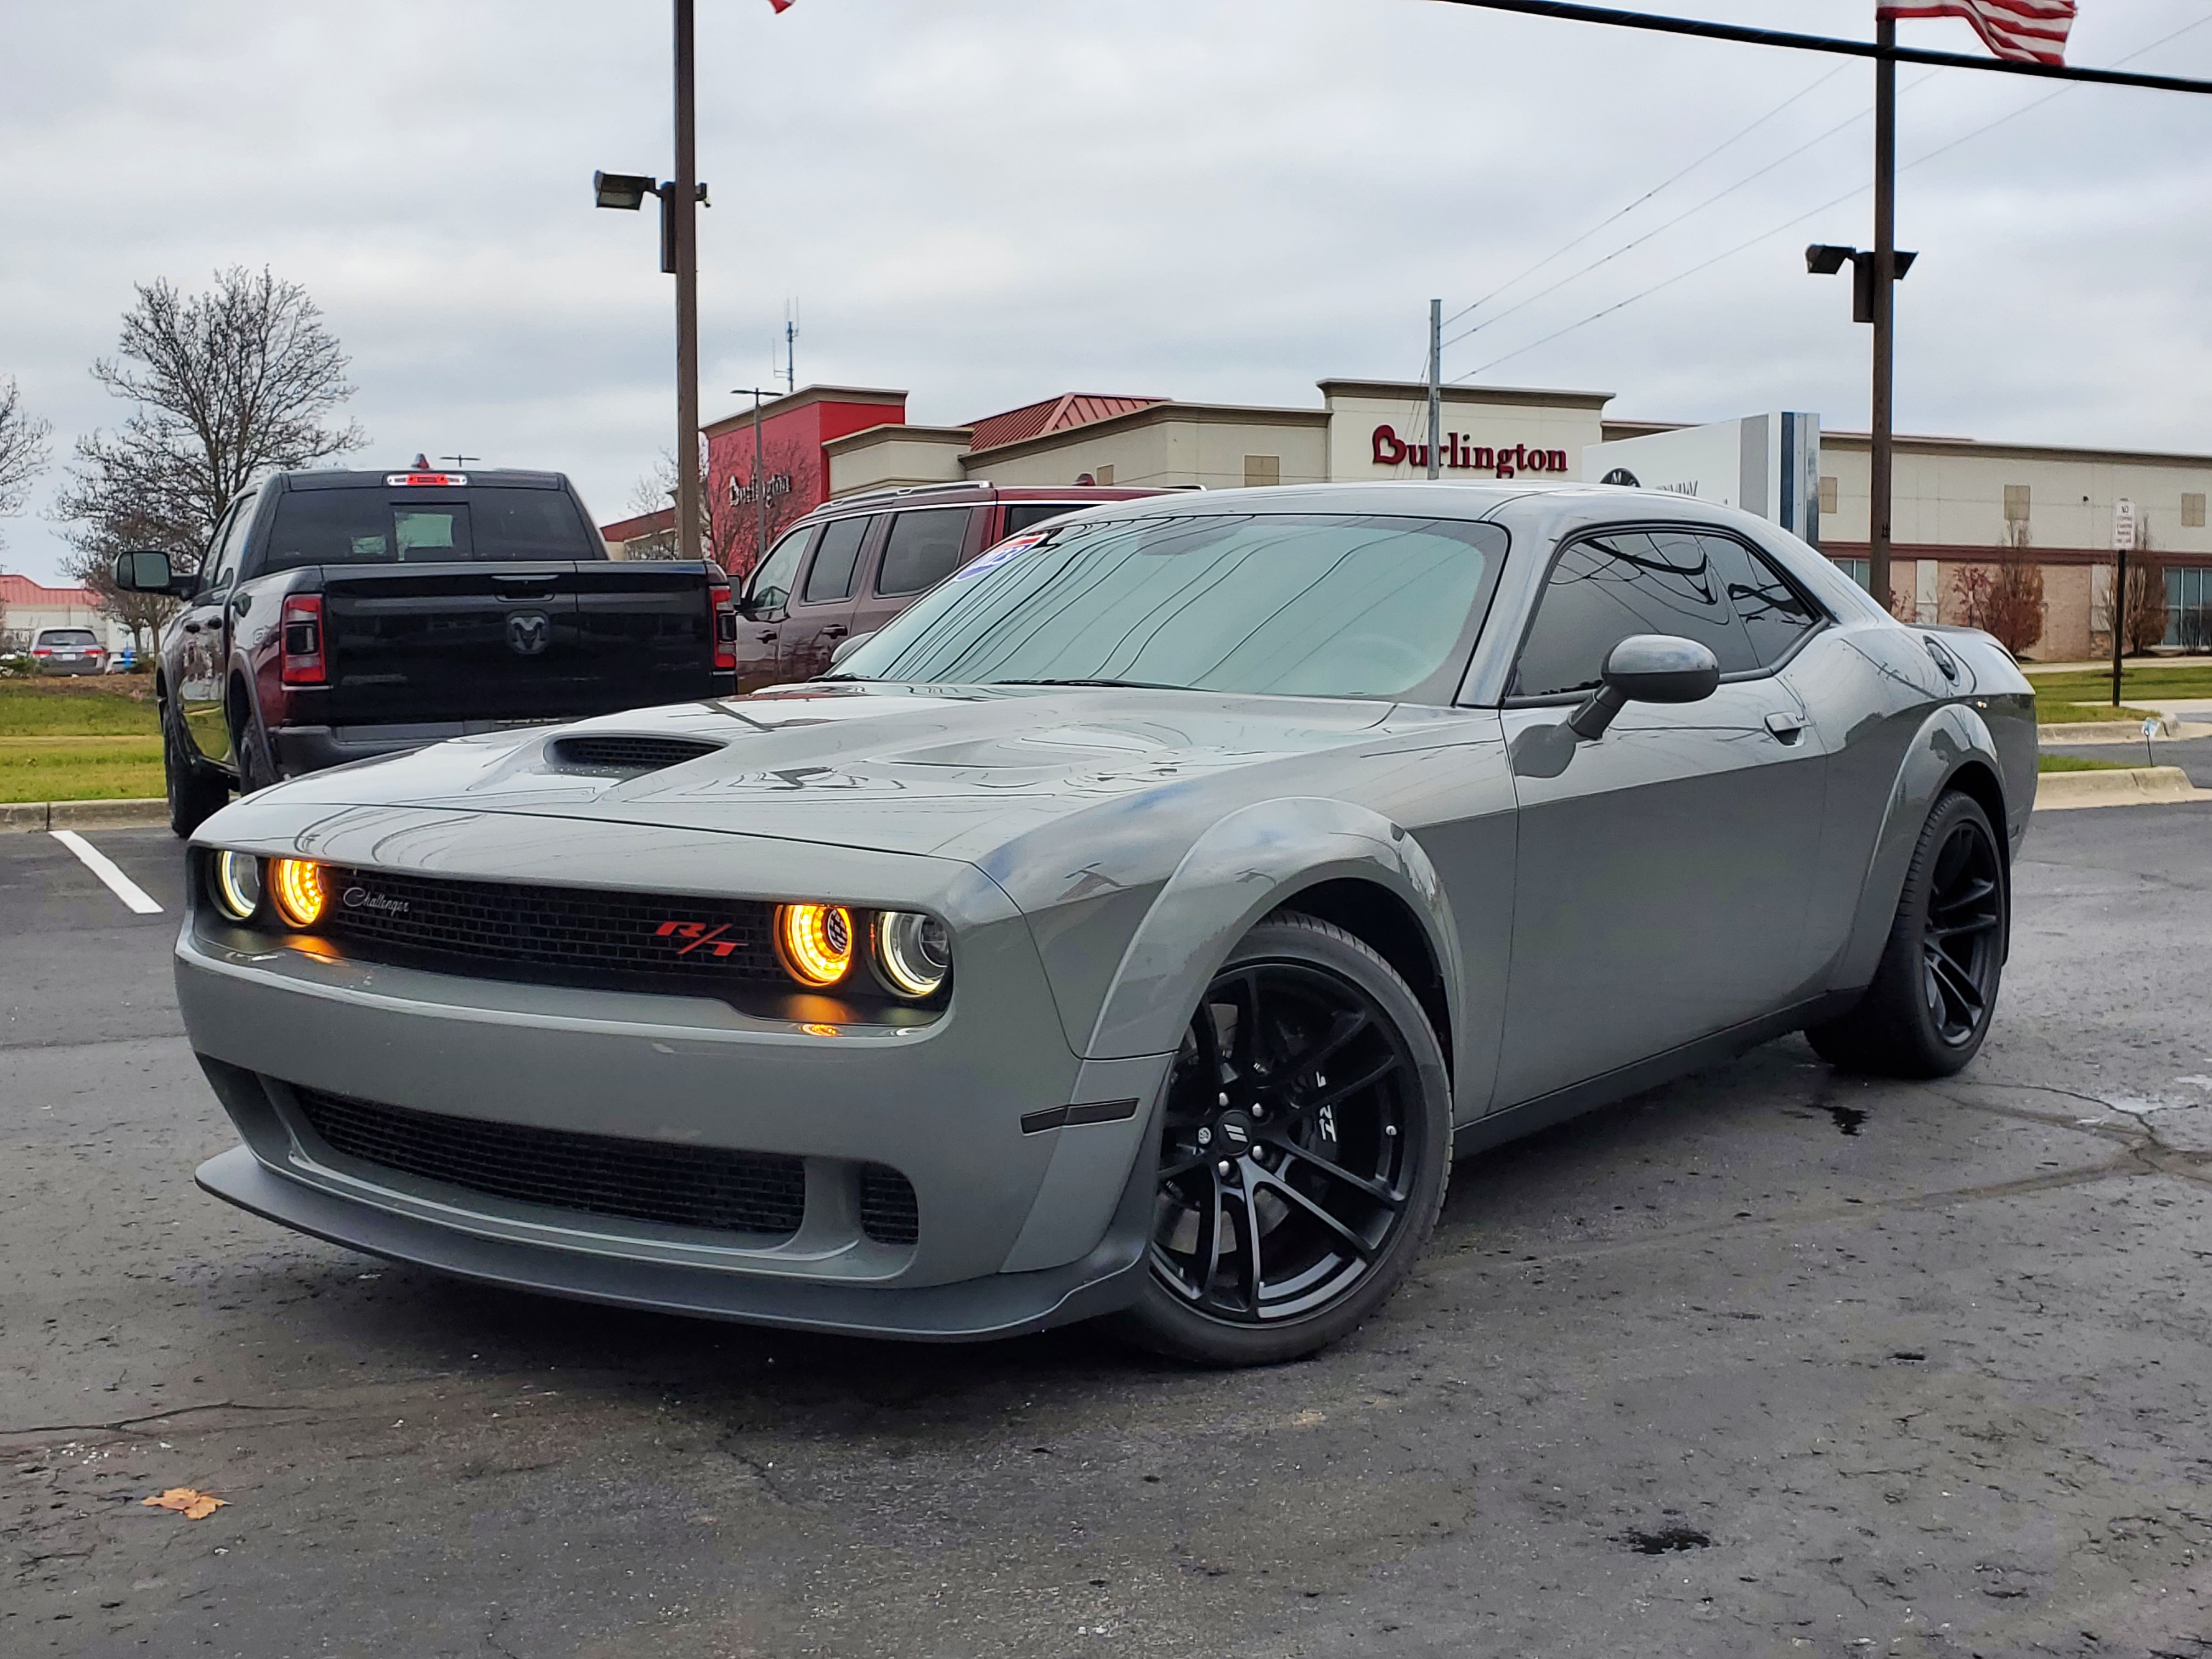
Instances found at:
x=1880 y=493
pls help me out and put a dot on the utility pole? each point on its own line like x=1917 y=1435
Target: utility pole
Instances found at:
x=1880 y=493
x=1436 y=388
x=684 y=218
x=2124 y=541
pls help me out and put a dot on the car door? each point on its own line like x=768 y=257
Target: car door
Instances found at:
x=1664 y=869
x=767 y=601
x=821 y=614
x=205 y=627
x=922 y=547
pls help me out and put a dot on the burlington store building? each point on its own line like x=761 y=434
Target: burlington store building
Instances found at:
x=1957 y=502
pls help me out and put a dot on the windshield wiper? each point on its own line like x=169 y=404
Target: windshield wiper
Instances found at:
x=1133 y=685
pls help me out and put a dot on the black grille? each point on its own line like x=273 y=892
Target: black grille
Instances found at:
x=626 y=754
x=563 y=935
x=603 y=1175
x=888 y=1213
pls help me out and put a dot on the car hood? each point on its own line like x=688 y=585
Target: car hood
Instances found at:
x=950 y=773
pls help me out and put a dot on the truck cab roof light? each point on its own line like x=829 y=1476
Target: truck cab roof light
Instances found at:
x=401 y=480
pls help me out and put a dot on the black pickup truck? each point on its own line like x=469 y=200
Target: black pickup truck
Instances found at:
x=339 y=616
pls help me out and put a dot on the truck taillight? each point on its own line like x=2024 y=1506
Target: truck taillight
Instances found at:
x=302 y=629
x=726 y=627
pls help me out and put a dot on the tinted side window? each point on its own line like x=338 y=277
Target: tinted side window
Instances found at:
x=1607 y=588
x=1774 y=614
x=224 y=563
x=771 y=584
x=1020 y=515
x=831 y=576
x=922 y=550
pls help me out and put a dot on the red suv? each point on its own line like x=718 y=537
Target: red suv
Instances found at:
x=852 y=564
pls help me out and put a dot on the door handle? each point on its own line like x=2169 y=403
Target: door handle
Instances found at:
x=834 y=631
x=1788 y=727
x=766 y=636
x=192 y=628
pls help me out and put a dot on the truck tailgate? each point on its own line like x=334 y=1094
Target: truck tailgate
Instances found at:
x=512 y=641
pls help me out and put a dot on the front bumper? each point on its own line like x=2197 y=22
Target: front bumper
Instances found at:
x=1016 y=1231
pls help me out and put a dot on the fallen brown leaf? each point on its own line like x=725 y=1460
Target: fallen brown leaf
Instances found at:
x=192 y=1505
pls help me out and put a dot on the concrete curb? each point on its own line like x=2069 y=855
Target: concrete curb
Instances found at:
x=2116 y=731
x=2134 y=785
x=40 y=815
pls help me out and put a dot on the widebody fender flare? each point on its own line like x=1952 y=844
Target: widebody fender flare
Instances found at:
x=1243 y=867
x=1949 y=741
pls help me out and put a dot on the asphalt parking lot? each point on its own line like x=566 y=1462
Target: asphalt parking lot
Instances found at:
x=1770 y=1361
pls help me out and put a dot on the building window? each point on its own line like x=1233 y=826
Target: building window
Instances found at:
x=2188 y=605
x=1828 y=500
x=1858 y=570
x=1105 y=475
x=2016 y=503
x=1262 y=470
x=2192 y=512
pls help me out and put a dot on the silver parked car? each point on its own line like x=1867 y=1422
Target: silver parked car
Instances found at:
x=1138 y=926
x=68 y=650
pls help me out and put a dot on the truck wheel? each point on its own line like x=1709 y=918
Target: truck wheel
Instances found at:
x=257 y=768
x=196 y=793
x=1305 y=1142
x=1935 y=990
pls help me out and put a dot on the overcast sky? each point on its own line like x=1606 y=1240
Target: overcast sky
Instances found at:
x=987 y=202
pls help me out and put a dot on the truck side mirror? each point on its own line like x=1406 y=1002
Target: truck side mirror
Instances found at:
x=143 y=573
x=1647 y=668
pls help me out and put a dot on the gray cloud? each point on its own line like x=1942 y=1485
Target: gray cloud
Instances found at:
x=988 y=201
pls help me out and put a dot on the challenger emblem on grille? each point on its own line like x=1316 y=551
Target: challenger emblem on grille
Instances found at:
x=360 y=898
x=697 y=933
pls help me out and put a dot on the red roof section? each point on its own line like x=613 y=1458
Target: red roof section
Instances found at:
x=646 y=524
x=1053 y=415
x=22 y=590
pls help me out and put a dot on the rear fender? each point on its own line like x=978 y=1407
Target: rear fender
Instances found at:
x=1239 y=870
x=1952 y=737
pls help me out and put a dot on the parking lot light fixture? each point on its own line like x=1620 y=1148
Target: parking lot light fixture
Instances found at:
x=623 y=190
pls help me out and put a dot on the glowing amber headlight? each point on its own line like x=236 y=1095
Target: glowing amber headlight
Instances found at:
x=298 y=886
x=815 y=941
x=237 y=884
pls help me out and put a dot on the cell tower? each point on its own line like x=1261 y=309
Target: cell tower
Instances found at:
x=791 y=345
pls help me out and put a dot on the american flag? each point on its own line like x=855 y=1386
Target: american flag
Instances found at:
x=2029 y=30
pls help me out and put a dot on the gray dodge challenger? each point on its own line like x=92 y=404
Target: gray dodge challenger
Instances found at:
x=1138 y=927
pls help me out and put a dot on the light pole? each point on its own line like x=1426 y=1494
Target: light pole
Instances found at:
x=760 y=479
x=1873 y=301
x=680 y=199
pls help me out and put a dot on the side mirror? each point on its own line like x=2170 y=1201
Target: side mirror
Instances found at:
x=143 y=573
x=845 y=645
x=1647 y=668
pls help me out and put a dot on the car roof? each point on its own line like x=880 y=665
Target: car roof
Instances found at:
x=972 y=493
x=342 y=478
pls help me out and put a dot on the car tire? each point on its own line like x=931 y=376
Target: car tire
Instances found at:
x=1929 y=1004
x=1345 y=1180
x=257 y=769
x=196 y=792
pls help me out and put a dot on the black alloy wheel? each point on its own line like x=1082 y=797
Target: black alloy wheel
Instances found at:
x=1961 y=940
x=195 y=794
x=1304 y=1146
x=1929 y=1004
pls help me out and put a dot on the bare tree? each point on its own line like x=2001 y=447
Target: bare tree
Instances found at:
x=790 y=471
x=2005 y=598
x=227 y=385
x=656 y=493
x=2145 y=608
x=22 y=449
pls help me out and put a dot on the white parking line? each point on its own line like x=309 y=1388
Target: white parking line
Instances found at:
x=104 y=867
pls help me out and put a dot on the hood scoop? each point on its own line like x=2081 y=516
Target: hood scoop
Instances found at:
x=630 y=754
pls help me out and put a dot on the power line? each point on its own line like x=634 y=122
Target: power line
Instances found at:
x=1622 y=213
x=1777 y=230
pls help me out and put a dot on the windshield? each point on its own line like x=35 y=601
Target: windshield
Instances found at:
x=393 y=526
x=1303 y=605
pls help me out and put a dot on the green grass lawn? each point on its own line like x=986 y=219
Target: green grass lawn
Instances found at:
x=97 y=738
x=2084 y=694
x=90 y=706
x=2079 y=763
x=80 y=768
